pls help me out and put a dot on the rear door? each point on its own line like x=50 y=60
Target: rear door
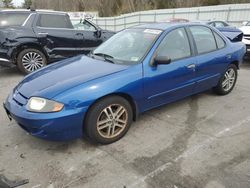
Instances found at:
x=211 y=57
x=56 y=34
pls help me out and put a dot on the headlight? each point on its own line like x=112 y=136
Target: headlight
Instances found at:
x=37 y=104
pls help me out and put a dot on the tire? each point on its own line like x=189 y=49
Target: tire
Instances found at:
x=30 y=60
x=224 y=87
x=103 y=129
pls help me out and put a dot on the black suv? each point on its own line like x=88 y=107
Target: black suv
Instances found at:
x=32 y=39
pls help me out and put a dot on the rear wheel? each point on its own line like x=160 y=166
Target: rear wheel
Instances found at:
x=227 y=81
x=108 y=120
x=30 y=60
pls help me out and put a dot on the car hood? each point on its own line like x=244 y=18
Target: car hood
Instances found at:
x=245 y=30
x=63 y=75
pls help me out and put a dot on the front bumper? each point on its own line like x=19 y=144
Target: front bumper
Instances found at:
x=5 y=56
x=59 y=126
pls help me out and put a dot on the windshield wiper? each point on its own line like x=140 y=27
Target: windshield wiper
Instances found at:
x=106 y=57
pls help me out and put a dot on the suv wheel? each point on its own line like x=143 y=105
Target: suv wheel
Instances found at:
x=30 y=60
x=108 y=120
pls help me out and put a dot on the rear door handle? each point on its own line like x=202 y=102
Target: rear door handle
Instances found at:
x=191 y=66
x=229 y=56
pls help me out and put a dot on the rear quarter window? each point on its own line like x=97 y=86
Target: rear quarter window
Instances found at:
x=12 y=19
x=220 y=42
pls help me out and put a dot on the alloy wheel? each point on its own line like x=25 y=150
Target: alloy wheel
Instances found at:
x=32 y=61
x=229 y=79
x=112 y=121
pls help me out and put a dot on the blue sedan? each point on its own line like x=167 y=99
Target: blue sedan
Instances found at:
x=137 y=69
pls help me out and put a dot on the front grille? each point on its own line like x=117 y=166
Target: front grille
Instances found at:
x=247 y=37
x=19 y=98
x=20 y=104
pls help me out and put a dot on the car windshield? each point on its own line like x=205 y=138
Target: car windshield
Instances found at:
x=12 y=19
x=128 y=46
x=248 y=24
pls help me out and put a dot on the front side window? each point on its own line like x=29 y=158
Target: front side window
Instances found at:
x=128 y=46
x=203 y=38
x=175 y=45
x=54 y=21
x=86 y=26
x=12 y=19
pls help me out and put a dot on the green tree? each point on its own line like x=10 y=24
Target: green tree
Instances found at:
x=8 y=4
x=27 y=3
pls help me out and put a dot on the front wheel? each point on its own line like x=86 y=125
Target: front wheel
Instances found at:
x=108 y=120
x=227 y=81
x=30 y=60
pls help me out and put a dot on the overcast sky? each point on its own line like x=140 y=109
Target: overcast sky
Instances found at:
x=17 y=2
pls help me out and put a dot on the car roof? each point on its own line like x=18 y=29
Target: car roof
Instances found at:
x=164 y=25
x=33 y=11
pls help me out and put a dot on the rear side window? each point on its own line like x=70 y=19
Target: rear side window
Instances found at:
x=204 y=39
x=12 y=19
x=54 y=21
x=175 y=45
x=220 y=42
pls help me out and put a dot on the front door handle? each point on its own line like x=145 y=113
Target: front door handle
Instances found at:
x=191 y=66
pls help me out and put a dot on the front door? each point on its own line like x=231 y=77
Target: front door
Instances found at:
x=170 y=82
x=88 y=37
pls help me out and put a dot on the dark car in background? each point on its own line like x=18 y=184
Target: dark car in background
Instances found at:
x=31 y=39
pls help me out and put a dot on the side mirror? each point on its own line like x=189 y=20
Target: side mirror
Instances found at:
x=161 y=60
x=98 y=33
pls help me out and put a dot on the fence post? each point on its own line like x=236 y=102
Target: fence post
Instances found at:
x=228 y=13
x=173 y=14
x=115 y=24
x=198 y=14
x=139 y=17
x=125 y=26
x=155 y=17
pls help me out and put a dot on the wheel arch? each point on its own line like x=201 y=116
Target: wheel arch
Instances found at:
x=236 y=63
x=24 y=46
x=123 y=95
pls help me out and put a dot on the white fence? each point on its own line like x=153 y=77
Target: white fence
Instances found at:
x=234 y=14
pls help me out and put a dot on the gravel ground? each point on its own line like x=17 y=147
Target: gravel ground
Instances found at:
x=201 y=141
